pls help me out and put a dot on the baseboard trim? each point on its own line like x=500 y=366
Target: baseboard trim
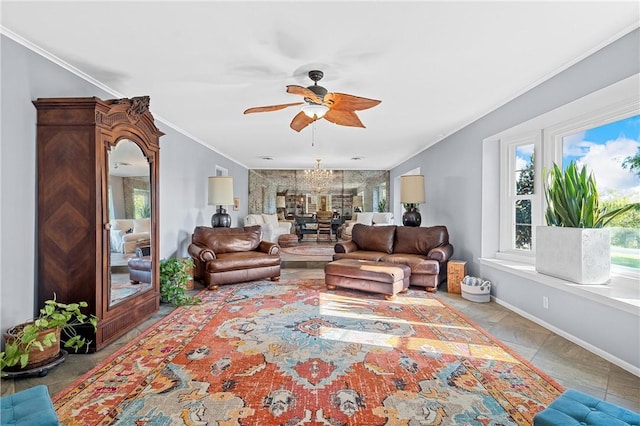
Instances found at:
x=594 y=349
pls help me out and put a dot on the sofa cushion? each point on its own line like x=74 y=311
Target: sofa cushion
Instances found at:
x=419 y=264
x=253 y=219
x=373 y=256
x=379 y=238
x=141 y=225
x=382 y=218
x=228 y=240
x=242 y=260
x=364 y=218
x=270 y=218
x=121 y=225
x=420 y=240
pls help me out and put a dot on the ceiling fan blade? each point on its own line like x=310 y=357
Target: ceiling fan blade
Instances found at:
x=343 y=118
x=343 y=102
x=300 y=121
x=271 y=108
x=303 y=91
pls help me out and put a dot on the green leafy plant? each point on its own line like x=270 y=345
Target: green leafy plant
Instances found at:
x=382 y=205
x=54 y=316
x=573 y=201
x=409 y=206
x=174 y=274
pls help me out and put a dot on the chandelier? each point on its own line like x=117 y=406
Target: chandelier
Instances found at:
x=318 y=179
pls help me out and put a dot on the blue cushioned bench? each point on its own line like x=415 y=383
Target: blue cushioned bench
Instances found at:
x=576 y=408
x=29 y=407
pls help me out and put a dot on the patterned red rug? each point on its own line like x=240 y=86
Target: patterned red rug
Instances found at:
x=293 y=353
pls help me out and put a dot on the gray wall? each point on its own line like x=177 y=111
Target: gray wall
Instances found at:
x=185 y=165
x=453 y=180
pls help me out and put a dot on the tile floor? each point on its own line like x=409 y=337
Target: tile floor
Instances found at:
x=569 y=364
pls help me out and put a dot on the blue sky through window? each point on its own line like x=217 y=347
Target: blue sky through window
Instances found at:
x=603 y=149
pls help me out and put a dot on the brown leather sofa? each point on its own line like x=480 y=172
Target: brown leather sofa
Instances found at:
x=232 y=255
x=426 y=250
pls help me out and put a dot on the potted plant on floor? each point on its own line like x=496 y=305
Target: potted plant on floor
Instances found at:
x=37 y=342
x=175 y=273
x=575 y=245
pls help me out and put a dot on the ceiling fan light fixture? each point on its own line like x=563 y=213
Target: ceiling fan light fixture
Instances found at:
x=315 y=110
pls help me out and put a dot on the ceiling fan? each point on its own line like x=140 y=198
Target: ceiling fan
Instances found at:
x=337 y=108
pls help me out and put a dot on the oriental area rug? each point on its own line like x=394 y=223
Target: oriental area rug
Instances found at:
x=309 y=250
x=294 y=353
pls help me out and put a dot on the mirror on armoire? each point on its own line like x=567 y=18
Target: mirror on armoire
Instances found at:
x=129 y=204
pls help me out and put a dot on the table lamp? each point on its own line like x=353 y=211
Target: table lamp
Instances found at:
x=412 y=194
x=220 y=194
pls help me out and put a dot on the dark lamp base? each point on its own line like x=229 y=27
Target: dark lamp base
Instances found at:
x=411 y=217
x=221 y=219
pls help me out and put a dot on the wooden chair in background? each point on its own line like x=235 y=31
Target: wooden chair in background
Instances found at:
x=325 y=219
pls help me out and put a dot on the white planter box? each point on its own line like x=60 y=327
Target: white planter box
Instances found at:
x=579 y=255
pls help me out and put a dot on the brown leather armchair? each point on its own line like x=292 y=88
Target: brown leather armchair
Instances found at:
x=232 y=255
x=140 y=266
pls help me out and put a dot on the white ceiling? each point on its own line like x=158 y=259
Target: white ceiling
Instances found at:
x=436 y=66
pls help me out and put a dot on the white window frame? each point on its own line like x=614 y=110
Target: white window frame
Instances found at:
x=602 y=107
x=508 y=191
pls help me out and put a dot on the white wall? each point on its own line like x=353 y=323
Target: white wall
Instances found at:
x=453 y=179
x=185 y=165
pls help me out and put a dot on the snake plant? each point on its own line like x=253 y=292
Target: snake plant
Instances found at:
x=573 y=201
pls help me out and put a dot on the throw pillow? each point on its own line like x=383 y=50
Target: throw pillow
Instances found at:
x=384 y=218
x=364 y=218
x=128 y=231
x=142 y=225
x=253 y=219
x=270 y=218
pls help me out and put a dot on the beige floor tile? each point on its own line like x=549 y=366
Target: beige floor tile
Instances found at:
x=532 y=339
x=629 y=404
x=623 y=385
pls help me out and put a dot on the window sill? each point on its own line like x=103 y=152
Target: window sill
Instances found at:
x=622 y=292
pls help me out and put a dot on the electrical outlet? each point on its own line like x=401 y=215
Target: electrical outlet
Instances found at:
x=545 y=302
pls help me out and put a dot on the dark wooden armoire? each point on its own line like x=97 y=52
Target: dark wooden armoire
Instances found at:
x=76 y=140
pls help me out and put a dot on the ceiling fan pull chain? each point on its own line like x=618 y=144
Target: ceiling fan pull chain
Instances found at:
x=313 y=134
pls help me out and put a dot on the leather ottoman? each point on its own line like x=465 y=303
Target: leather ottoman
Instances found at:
x=576 y=408
x=376 y=277
x=140 y=269
x=288 y=240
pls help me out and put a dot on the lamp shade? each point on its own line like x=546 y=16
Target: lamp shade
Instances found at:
x=280 y=204
x=412 y=189
x=220 y=190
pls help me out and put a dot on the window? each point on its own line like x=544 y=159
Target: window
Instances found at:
x=380 y=198
x=603 y=150
x=141 y=204
x=521 y=196
x=606 y=141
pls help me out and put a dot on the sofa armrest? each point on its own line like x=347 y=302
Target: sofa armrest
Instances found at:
x=345 y=247
x=201 y=253
x=269 y=247
x=136 y=236
x=287 y=225
x=441 y=254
